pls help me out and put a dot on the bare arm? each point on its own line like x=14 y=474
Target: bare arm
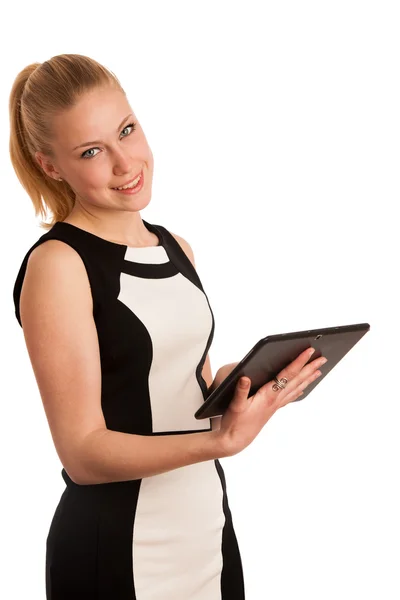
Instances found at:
x=61 y=338
x=114 y=456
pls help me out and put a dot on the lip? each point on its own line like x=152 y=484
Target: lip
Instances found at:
x=130 y=181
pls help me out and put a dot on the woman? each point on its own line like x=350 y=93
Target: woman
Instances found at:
x=118 y=327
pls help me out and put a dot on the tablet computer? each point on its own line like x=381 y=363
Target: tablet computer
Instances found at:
x=273 y=353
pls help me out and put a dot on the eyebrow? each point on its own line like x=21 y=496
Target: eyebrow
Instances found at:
x=99 y=141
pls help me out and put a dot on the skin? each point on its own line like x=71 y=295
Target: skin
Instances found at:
x=120 y=156
x=116 y=160
x=246 y=416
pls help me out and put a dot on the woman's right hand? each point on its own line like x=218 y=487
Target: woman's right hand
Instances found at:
x=245 y=417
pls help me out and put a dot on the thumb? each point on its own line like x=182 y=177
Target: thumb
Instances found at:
x=239 y=401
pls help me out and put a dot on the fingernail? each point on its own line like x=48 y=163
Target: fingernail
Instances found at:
x=312 y=350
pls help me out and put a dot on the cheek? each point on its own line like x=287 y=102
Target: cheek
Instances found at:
x=151 y=159
x=94 y=177
x=139 y=149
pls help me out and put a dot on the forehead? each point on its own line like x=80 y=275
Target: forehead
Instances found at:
x=95 y=115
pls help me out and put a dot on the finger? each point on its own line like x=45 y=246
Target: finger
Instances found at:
x=297 y=365
x=306 y=371
x=309 y=369
x=298 y=390
x=240 y=401
x=291 y=371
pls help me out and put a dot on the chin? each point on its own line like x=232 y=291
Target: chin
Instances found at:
x=135 y=203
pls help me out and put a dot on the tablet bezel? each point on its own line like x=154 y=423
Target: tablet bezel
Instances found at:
x=344 y=336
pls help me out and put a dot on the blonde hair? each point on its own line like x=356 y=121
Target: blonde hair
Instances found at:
x=39 y=92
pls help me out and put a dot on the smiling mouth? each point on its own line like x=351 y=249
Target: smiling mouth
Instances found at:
x=132 y=184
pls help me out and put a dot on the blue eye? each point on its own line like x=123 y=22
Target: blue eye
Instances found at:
x=85 y=154
x=133 y=125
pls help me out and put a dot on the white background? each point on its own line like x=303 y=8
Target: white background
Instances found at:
x=275 y=133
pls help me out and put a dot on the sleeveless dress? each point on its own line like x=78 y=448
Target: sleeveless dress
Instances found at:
x=168 y=536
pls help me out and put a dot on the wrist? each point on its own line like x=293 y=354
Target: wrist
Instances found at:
x=220 y=448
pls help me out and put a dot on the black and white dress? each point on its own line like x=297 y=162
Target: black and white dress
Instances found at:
x=168 y=536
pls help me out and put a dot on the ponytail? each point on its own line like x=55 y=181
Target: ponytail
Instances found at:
x=39 y=92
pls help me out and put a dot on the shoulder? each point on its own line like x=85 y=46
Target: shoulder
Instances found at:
x=53 y=253
x=52 y=265
x=185 y=247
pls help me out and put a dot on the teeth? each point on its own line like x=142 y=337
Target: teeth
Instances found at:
x=131 y=185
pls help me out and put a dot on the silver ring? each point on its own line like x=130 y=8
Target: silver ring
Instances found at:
x=279 y=384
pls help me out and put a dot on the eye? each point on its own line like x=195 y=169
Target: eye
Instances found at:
x=86 y=155
x=133 y=125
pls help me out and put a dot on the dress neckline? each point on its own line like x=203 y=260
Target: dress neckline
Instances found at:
x=148 y=226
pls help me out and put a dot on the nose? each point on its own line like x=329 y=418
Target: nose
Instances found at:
x=122 y=163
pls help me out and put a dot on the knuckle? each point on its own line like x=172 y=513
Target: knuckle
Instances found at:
x=307 y=371
x=271 y=397
x=287 y=373
x=290 y=373
x=302 y=386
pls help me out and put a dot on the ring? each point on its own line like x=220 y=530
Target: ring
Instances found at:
x=279 y=384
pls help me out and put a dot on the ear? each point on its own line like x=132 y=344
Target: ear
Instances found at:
x=48 y=167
